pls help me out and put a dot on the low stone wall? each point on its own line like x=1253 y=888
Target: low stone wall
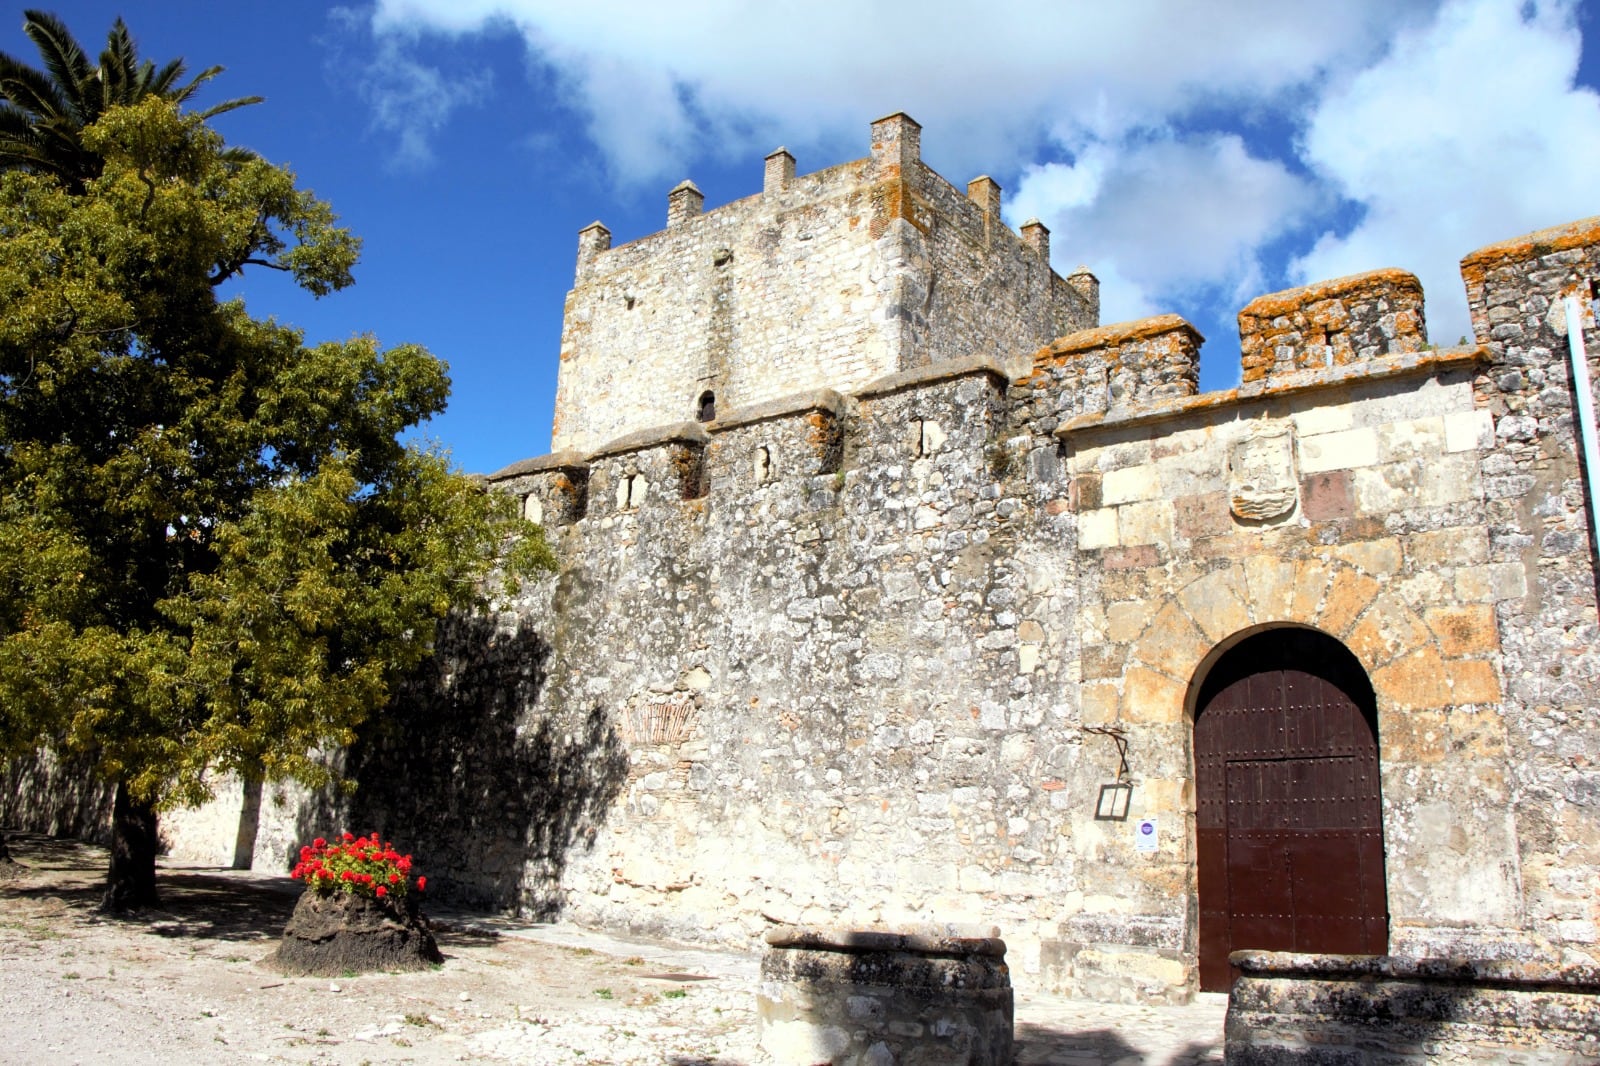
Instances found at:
x=853 y=998
x=1354 y=1010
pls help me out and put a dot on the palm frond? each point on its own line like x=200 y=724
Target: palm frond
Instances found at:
x=31 y=90
x=160 y=82
x=64 y=61
x=227 y=105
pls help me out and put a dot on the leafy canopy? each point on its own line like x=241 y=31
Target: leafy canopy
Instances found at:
x=215 y=554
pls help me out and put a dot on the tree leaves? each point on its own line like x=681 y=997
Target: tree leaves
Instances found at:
x=217 y=555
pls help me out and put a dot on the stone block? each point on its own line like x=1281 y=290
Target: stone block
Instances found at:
x=1145 y=523
x=1474 y=681
x=1466 y=431
x=1380 y=558
x=1311 y=578
x=1126 y=620
x=1418 y=680
x=1216 y=603
x=1412 y=483
x=1345 y=450
x=1323 y=418
x=1350 y=593
x=1151 y=698
x=1098 y=702
x=1457 y=546
x=1464 y=630
x=1202 y=515
x=1130 y=485
x=1417 y=438
x=1171 y=642
x=1270 y=583
x=1327 y=496
x=1098 y=529
x=1136 y=557
x=1389 y=628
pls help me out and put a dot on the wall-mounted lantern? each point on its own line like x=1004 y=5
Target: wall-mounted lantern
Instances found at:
x=1115 y=796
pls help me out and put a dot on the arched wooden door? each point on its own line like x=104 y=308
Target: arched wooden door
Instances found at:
x=1290 y=822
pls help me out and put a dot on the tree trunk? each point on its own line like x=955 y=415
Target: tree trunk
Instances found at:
x=244 y=843
x=5 y=852
x=131 y=883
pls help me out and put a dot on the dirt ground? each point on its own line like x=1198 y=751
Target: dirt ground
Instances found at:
x=193 y=983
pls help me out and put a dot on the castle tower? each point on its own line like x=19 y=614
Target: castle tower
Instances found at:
x=823 y=280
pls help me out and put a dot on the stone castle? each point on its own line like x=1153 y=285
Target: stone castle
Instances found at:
x=897 y=589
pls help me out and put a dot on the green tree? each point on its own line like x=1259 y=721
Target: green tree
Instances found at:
x=43 y=113
x=215 y=554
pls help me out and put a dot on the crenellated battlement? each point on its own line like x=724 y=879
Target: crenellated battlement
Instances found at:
x=1330 y=334
x=822 y=280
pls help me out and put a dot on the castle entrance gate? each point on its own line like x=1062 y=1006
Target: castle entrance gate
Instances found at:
x=1289 y=821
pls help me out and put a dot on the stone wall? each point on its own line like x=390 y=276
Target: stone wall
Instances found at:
x=840 y=657
x=1539 y=532
x=829 y=280
x=893 y=660
x=1289 y=1010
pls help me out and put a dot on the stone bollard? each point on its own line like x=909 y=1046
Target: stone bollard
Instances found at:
x=864 y=998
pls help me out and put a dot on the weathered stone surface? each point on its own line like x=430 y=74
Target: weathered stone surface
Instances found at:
x=868 y=998
x=1332 y=323
x=1309 y=1009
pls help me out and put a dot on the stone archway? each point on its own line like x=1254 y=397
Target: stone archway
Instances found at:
x=1289 y=820
x=1427 y=659
x=1416 y=658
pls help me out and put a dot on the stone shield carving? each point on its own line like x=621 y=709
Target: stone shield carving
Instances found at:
x=1262 y=483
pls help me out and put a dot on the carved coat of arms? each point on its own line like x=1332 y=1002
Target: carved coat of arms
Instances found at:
x=1262 y=483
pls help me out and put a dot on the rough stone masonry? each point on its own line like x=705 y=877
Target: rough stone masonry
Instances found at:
x=878 y=549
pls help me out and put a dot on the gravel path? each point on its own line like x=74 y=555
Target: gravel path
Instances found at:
x=192 y=985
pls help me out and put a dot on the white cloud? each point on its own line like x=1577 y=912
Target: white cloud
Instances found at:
x=1160 y=216
x=1134 y=129
x=1469 y=131
x=410 y=100
x=988 y=84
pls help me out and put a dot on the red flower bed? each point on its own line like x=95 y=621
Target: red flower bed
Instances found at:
x=363 y=866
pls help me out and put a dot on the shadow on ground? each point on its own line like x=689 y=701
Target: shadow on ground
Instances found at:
x=1038 y=1045
x=213 y=904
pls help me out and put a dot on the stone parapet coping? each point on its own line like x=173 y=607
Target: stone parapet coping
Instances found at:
x=926 y=375
x=1383 y=368
x=1584 y=977
x=1274 y=304
x=1115 y=334
x=539 y=464
x=1578 y=234
x=676 y=433
x=792 y=404
x=860 y=941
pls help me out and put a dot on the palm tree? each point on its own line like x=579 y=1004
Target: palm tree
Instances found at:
x=43 y=112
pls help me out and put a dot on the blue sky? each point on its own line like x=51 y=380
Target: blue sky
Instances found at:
x=1192 y=155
